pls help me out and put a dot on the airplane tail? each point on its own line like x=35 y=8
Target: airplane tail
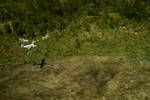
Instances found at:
x=22 y=45
x=33 y=42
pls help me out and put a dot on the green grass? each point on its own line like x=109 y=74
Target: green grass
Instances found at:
x=109 y=34
x=100 y=77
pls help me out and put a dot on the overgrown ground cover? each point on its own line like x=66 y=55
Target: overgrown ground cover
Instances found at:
x=75 y=28
x=86 y=35
x=114 y=36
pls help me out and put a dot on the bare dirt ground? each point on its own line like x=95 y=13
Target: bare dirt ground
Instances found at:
x=76 y=78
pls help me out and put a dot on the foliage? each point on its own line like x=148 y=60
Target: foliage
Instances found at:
x=37 y=14
x=78 y=27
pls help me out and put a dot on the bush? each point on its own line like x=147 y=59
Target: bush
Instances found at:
x=7 y=28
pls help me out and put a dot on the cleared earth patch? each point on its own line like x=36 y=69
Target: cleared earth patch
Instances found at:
x=76 y=78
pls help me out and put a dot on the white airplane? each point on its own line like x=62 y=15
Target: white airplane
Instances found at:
x=29 y=46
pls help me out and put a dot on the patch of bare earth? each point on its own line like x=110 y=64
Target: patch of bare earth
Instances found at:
x=77 y=78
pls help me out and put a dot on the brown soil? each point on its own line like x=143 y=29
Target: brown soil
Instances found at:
x=76 y=78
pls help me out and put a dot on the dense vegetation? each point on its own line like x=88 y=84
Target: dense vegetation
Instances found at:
x=76 y=27
x=30 y=16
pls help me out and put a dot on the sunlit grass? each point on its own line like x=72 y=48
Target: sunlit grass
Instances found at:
x=86 y=35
